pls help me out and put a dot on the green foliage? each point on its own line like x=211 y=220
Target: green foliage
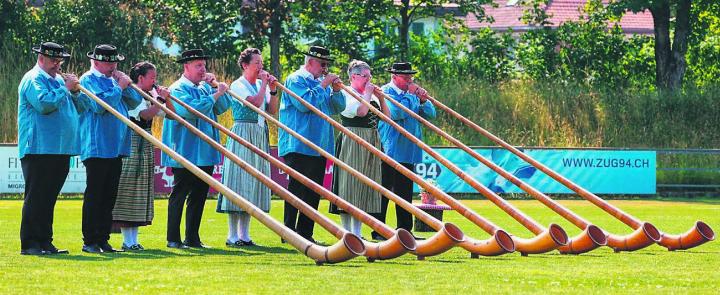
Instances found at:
x=704 y=52
x=435 y=55
x=344 y=26
x=537 y=53
x=210 y=25
x=12 y=15
x=492 y=57
x=586 y=51
x=403 y=13
x=80 y=25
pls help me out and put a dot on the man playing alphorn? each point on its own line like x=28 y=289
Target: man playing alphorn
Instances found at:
x=47 y=137
x=403 y=89
x=313 y=83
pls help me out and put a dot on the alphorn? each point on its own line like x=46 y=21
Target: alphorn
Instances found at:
x=589 y=239
x=546 y=239
x=325 y=222
x=397 y=244
x=500 y=242
x=347 y=248
x=442 y=241
x=645 y=233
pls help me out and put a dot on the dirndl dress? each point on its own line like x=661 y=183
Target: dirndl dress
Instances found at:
x=238 y=179
x=347 y=150
x=134 y=205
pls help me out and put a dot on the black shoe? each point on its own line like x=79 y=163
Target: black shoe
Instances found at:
x=92 y=248
x=282 y=241
x=236 y=244
x=247 y=243
x=177 y=245
x=107 y=248
x=316 y=242
x=418 y=238
x=51 y=249
x=136 y=247
x=378 y=237
x=197 y=244
x=33 y=251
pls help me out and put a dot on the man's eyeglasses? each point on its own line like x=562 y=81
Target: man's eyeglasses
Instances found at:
x=56 y=61
x=406 y=77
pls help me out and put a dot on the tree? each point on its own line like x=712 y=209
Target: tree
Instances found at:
x=344 y=26
x=703 y=54
x=670 y=55
x=11 y=24
x=406 y=12
x=210 y=25
x=268 y=19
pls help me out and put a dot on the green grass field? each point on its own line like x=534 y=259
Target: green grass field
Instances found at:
x=278 y=268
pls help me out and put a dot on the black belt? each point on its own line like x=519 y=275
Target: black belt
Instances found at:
x=142 y=123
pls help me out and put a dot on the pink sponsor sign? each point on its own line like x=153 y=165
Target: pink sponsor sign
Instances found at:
x=164 y=177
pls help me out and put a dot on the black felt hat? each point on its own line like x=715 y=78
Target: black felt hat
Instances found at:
x=51 y=49
x=192 y=54
x=319 y=52
x=106 y=53
x=402 y=68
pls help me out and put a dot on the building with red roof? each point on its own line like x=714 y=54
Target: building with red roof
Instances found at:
x=507 y=15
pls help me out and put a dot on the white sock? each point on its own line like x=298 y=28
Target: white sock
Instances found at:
x=357 y=226
x=233 y=219
x=127 y=235
x=244 y=226
x=135 y=232
x=346 y=221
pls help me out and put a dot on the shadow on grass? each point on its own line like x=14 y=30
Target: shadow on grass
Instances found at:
x=218 y=252
x=344 y=264
x=391 y=262
x=77 y=257
x=149 y=254
x=703 y=200
x=270 y=249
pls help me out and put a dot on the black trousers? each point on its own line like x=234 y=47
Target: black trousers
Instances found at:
x=401 y=186
x=190 y=187
x=103 y=176
x=44 y=177
x=312 y=167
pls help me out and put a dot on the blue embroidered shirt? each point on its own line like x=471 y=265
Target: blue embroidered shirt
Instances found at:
x=179 y=138
x=304 y=121
x=47 y=115
x=102 y=135
x=396 y=145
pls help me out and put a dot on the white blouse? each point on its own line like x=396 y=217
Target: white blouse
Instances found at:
x=352 y=104
x=144 y=105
